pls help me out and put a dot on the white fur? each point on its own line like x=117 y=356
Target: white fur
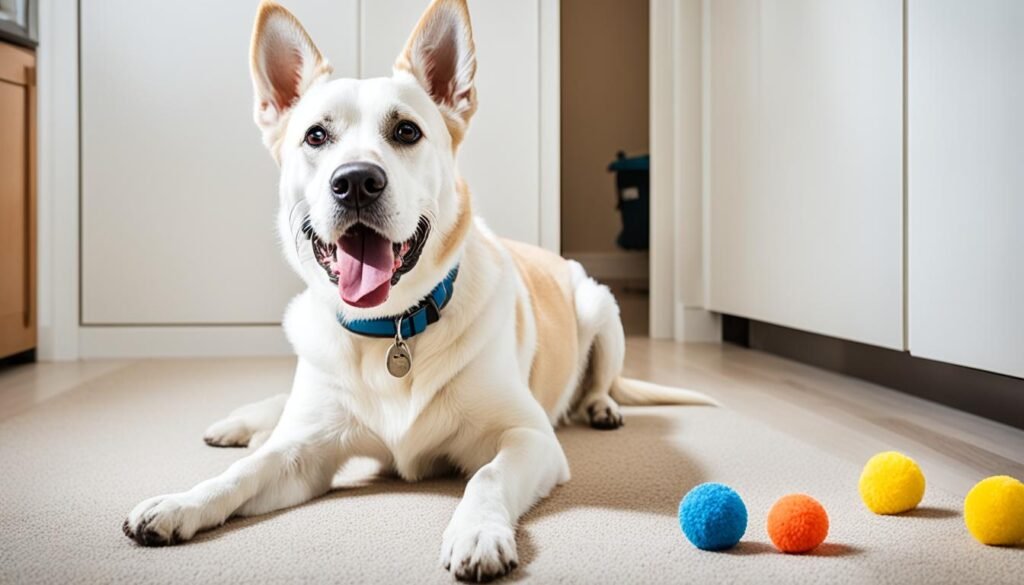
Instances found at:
x=466 y=403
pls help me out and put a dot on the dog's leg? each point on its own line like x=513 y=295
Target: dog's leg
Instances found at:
x=606 y=356
x=296 y=464
x=479 y=543
x=247 y=426
x=600 y=332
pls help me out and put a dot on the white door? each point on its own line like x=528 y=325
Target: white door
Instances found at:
x=178 y=193
x=806 y=184
x=966 y=182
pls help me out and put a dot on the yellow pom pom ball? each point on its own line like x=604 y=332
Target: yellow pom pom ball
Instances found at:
x=994 y=511
x=891 y=483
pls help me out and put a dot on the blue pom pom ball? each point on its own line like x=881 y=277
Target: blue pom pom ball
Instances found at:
x=713 y=516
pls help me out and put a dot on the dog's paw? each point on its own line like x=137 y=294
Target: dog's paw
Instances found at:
x=248 y=426
x=228 y=432
x=604 y=414
x=479 y=553
x=163 y=520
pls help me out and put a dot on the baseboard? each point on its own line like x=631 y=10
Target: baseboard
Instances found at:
x=613 y=265
x=97 y=342
x=993 y=396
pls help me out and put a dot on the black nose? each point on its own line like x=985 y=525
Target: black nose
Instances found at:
x=358 y=184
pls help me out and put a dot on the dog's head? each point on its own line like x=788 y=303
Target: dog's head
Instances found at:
x=372 y=210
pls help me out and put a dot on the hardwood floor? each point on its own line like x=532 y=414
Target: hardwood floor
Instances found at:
x=843 y=416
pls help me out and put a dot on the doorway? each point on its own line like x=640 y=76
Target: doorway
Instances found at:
x=605 y=100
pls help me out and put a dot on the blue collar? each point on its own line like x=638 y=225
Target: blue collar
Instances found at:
x=415 y=320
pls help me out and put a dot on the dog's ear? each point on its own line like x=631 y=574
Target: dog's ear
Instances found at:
x=441 y=55
x=284 y=63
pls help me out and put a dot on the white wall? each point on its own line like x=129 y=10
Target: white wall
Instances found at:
x=178 y=194
x=966 y=182
x=806 y=184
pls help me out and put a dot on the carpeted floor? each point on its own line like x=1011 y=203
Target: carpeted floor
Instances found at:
x=71 y=469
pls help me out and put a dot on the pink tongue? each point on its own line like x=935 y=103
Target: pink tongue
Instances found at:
x=365 y=262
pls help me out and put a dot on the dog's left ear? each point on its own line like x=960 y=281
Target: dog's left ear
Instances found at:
x=441 y=55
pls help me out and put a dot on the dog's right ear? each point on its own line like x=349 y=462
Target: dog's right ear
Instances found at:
x=284 y=64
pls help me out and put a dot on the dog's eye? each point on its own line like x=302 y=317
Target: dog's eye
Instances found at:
x=316 y=136
x=407 y=133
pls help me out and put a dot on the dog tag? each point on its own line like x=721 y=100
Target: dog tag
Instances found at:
x=399 y=359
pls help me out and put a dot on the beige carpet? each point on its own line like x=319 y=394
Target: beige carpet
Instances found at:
x=72 y=468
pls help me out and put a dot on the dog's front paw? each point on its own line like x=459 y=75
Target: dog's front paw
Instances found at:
x=163 y=520
x=479 y=552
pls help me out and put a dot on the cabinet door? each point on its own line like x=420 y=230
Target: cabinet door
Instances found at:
x=806 y=177
x=178 y=193
x=966 y=182
x=500 y=158
x=17 y=201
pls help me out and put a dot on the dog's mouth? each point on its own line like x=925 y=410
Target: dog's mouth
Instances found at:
x=365 y=264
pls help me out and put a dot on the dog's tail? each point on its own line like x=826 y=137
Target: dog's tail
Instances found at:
x=630 y=392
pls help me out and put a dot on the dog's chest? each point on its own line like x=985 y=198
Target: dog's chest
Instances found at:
x=400 y=411
x=411 y=427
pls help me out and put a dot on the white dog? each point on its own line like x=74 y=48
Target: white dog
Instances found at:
x=424 y=341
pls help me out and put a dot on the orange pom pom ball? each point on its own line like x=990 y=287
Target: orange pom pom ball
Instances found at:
x=797 y=524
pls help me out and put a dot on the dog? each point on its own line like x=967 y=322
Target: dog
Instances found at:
x=424 y=341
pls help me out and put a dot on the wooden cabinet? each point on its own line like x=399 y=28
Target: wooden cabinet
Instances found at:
x=17 y=201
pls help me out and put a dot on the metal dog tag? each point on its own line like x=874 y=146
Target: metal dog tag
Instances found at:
x=399 y=359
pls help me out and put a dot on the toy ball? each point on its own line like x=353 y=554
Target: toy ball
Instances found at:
x=713 y=516
x=891 y=483
x=797 y=524
x=994 y=511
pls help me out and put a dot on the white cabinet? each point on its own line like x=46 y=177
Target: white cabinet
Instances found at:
x=178 y=193
x=806 y=147
x=966 y=182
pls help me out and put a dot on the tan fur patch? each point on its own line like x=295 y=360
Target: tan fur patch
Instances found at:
x=520 y=322
x=457 y=128
x=548 y=280
x=275 y=148
x=454 y=237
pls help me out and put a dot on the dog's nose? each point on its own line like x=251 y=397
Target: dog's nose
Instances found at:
x=358 y=184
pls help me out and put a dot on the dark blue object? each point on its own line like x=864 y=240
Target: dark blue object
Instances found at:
x=632 y=180
x=713 y=517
